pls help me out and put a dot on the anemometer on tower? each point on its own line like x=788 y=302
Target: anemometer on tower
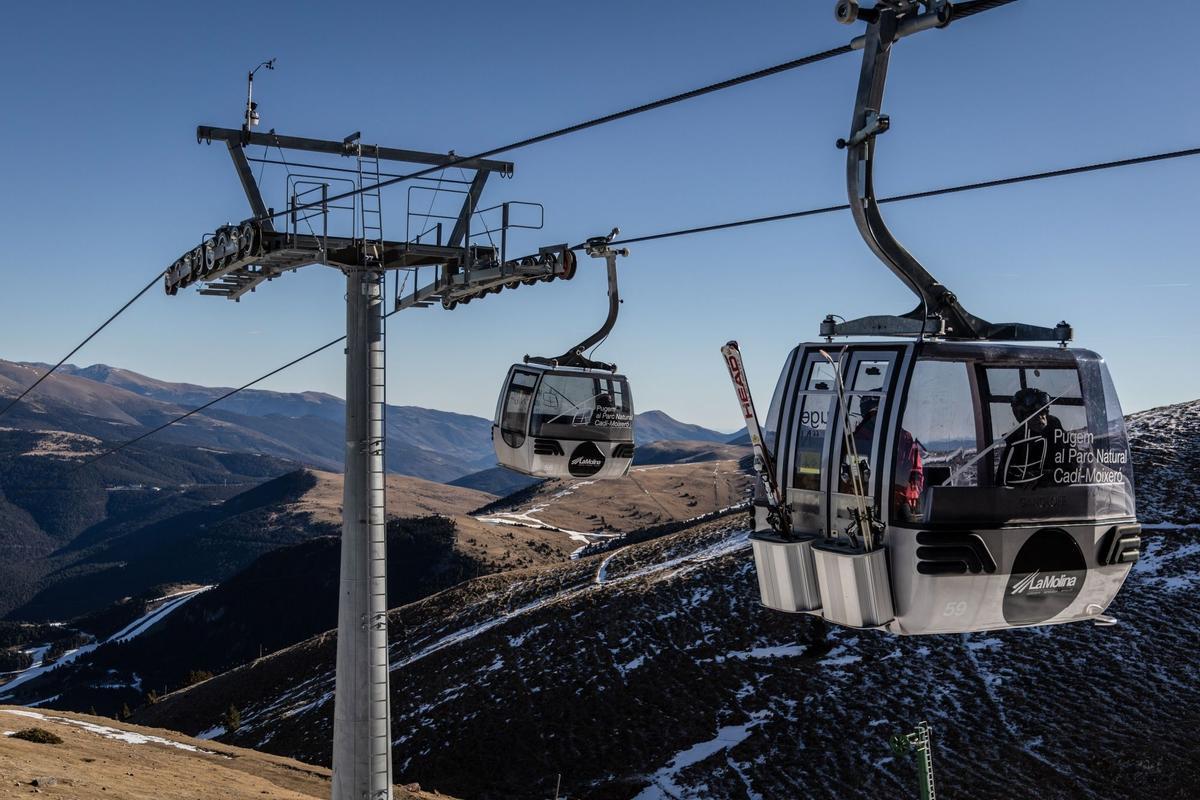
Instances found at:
x=956 y=477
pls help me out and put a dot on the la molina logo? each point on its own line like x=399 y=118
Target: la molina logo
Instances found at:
x=585 y=461
x=1036 y=583
x=1047 y=575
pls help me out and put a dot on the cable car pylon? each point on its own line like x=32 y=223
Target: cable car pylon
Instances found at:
x=236 y=259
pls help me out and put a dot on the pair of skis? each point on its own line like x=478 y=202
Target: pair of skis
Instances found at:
x=777 y=511
x=778 y=515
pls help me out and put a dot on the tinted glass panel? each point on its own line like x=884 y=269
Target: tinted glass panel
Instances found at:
x=1042 y=435
x=1058 y=383
x=1052 y=444
x=815 y=411
x=514 y=417
x=1113 y=440
x=937 y=445
x=584 y=406
x=821 y=377
x=863 y=418
x=870 y=375
x=1003 y=380
x=771 y=426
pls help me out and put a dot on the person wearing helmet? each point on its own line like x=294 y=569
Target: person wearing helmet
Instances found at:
x=1031 y=445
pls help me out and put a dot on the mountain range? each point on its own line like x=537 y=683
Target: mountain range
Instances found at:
x=76 y=535
x=115 y=404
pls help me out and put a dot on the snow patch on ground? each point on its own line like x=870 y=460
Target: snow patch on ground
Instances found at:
x=109 y=733
x=527 y=519
x=839 y=657
x=663 y=785
x=625 y=669
x=778 y=651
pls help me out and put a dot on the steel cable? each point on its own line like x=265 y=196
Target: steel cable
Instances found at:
x=898 y=198
x=962 y=10
x=723 y=226
x=629 y=112
x=592 y=123
x=79 y=346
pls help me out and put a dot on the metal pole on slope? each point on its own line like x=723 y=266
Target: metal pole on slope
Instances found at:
x=920 y=744
x=362 y=762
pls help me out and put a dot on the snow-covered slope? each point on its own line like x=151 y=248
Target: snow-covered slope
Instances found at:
x=653 y=672
x=1166 y=462
x=159 y=609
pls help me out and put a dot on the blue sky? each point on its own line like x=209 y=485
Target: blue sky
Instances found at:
x=104 y=183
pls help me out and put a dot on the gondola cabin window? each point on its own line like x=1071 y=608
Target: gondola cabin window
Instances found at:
x=514 y=417
x=816 y=408
x=584 y=406
x=1043 y=433
x=938 y=439
x=865 y=395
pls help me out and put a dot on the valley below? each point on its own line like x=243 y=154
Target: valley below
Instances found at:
x=602 y=639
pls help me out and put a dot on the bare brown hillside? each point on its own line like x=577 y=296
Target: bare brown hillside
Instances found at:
x=653 y=495
x=406 y=497
x=492 y=546
x=101 y=758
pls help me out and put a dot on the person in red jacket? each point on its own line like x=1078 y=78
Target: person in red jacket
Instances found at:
x=910 y=470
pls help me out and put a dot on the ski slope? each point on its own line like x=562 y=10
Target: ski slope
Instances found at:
x=131 y=631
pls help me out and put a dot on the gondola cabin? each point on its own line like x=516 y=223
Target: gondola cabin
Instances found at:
x=564 y=423
x=997 y=478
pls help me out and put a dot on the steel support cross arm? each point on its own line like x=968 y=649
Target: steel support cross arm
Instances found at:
x=462 y=225
x=249 y=185
x=206 y=133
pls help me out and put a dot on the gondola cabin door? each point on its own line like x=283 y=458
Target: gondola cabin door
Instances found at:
x=822 y=442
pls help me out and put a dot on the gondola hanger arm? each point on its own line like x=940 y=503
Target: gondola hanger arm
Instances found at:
x=596 y=247
x=938 y=313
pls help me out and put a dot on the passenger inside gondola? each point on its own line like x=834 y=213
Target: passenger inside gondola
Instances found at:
x=1035 y=444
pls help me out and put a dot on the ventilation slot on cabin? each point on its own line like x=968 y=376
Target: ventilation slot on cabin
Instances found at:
x=953 y=553
x=547 y=447
x=1121 y=545
x=623 y=450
